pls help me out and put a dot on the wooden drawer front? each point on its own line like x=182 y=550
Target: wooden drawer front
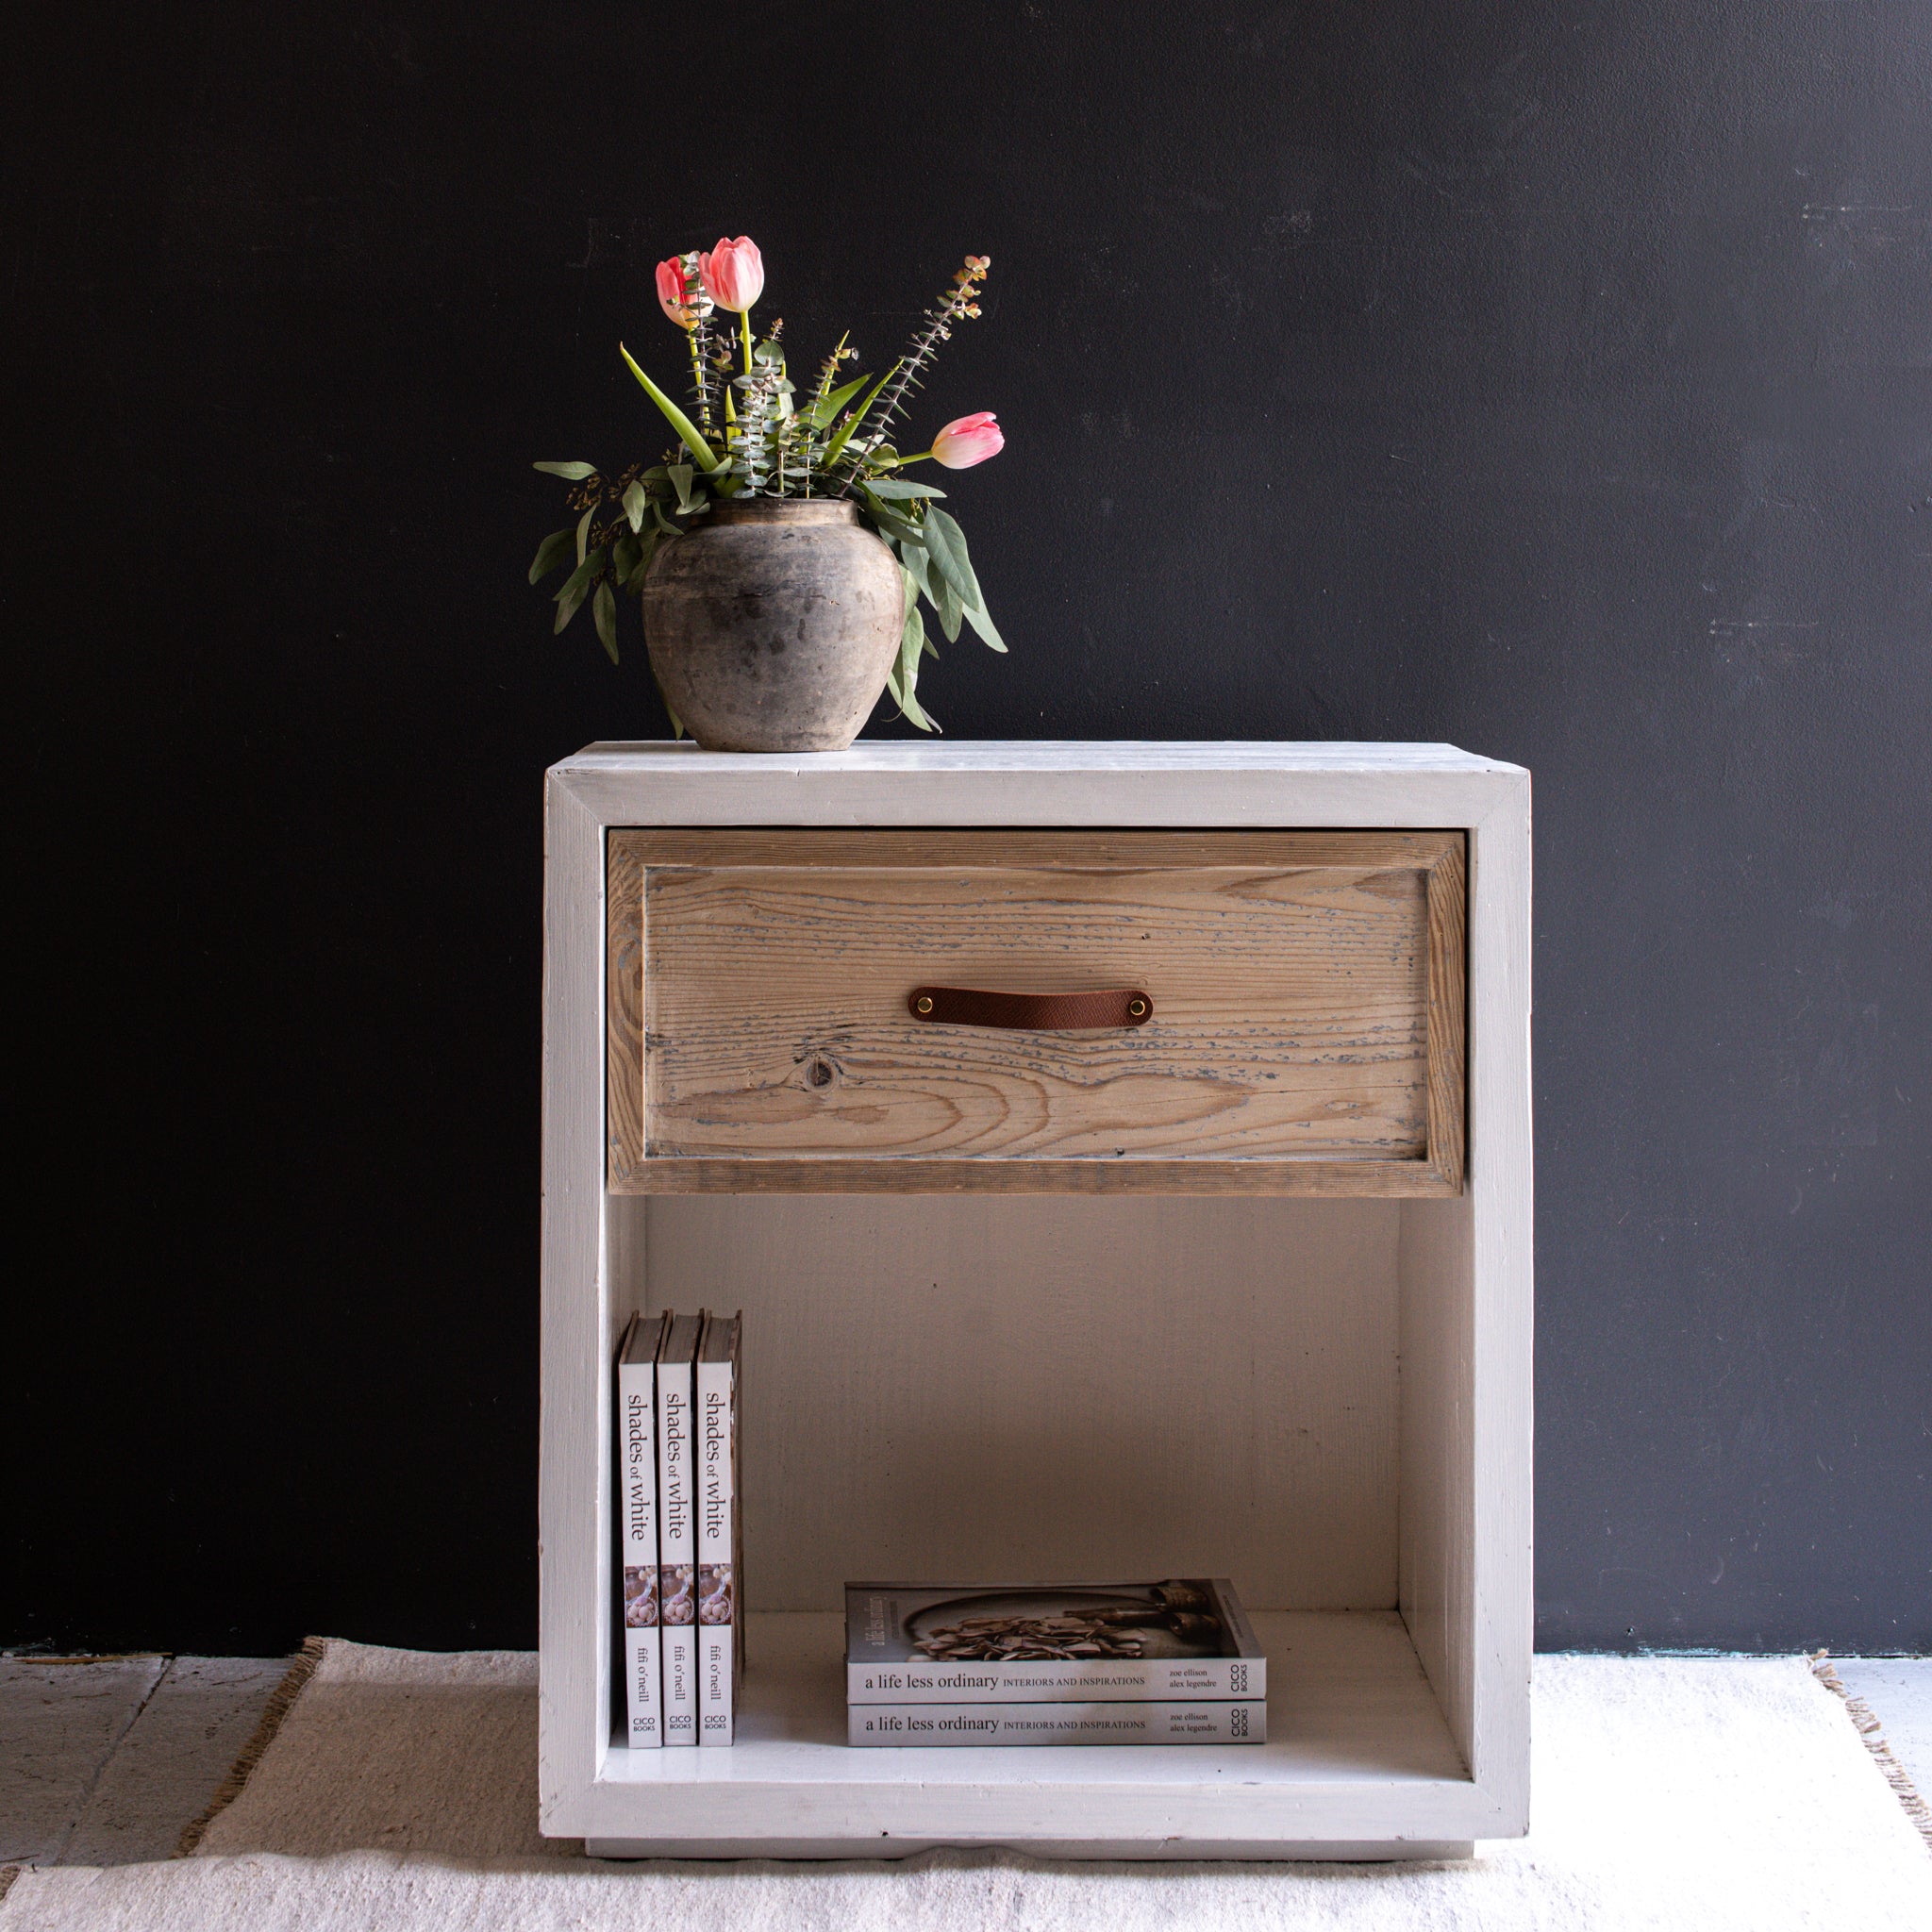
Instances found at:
x=1306 y=991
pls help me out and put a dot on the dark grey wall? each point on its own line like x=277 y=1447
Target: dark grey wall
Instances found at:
x=1548 y=378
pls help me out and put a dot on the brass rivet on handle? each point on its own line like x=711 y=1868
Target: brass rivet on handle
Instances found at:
x=923 y=1004
x=1136 y=1009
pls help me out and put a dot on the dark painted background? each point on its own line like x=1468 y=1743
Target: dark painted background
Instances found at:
x=1552 y=379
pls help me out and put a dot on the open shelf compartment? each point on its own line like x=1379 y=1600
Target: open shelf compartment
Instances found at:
x=1326 y=1399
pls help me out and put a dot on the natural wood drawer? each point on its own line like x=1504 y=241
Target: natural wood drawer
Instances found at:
x=1307 y=1034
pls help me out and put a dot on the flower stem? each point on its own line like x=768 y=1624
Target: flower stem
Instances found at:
x=744 y=332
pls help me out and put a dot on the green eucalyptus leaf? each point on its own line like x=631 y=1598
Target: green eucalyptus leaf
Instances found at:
x=584 y=530
x=913 y=557
x=889 y=521
x=983 y=624
x=571 y=473
x=624 y=560
x=665 y=527
x=680 y=474
x=603 y=610
x=949 y=609
x=551 y=555
x=947 y=543
x=895 y=487
x=636 y=501
x=911 y=648
x=577 y=587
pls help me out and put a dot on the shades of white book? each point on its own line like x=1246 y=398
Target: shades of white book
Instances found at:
x=720 y=1623
x=637 y=1508
x=676 y=1528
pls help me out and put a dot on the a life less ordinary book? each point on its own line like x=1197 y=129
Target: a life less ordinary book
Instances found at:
x=1205 y=1721
x=1184 y=1639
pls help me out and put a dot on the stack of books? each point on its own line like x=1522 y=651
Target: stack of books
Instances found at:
x=679 y=1535
x=1091 y=1663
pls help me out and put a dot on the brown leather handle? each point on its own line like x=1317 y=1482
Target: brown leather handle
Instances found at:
x=1040 y=1012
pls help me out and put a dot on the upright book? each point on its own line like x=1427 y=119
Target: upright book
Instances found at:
x=676 y=1529
x=1187 y=1639
x=720 y=1627
x=637 y=1510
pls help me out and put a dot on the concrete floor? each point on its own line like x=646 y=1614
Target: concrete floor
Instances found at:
x=104 y=1760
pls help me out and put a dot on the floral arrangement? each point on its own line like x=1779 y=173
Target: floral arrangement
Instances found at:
x=752 y=435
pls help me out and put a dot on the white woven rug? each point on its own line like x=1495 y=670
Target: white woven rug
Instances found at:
x=398 y=1795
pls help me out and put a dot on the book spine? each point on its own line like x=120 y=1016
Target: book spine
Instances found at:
x=1073 y=1681
x=718 y=1615
x=1247 y=1672
x=637 y=1481
x=925 y=1725
x=676 y=1551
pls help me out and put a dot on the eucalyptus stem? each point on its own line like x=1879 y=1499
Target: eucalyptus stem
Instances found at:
x=698 y=377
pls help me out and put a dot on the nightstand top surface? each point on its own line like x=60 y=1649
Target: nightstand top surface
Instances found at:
x=648 y=756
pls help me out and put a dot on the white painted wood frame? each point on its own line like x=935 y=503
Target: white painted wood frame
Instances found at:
x=1399 y=1727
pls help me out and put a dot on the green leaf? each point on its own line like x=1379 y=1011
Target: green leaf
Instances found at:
x=984 y=625
x=889 y=521
x=680 y=482
x=584 y=530
x=577 y=586
x=911 y=648
x=947 y=543
x=571 y=473
x=665 y=527
x=686 y=429
x=843 y=435
x=826 y=410
x=912 y=558
x=636 y=501
x=603 y=610
x=949 y=609
x=551 y=555
x=892 y=487
x=624 y=560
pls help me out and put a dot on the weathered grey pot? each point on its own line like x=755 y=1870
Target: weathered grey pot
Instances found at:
x=772 y=626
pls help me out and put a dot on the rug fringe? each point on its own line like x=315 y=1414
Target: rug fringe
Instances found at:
x=1869 y=1728
x=293 y=1681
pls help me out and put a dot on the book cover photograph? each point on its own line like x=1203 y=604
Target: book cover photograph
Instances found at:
x=1087 y=1642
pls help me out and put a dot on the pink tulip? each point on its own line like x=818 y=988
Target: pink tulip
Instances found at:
x=671 y=292
x=969 y=441
x=733 y=272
